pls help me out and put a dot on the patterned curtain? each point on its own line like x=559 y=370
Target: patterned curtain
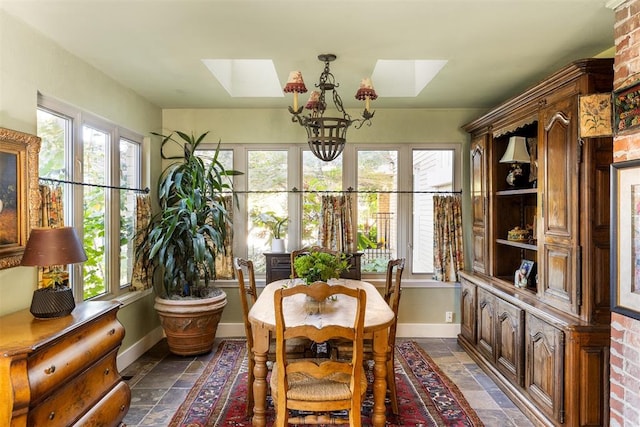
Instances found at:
x=448 y=253
x=336 y=219
x=224 y=260
x=52 y=216
x=141 y=275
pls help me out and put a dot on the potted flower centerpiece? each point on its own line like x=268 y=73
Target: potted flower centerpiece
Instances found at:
x=318 y=265
x=182 y=241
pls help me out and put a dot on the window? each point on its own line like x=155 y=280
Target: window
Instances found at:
x=394 y=209
x=109 y=156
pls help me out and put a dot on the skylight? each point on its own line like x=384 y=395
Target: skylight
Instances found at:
x=404 y=78
x=243 y=78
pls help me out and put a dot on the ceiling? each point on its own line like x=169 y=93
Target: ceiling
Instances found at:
x=493 y=48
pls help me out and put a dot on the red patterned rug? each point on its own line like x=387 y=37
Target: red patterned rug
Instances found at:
x=425 y=395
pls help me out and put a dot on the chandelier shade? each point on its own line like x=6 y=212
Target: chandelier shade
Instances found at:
x=327 y=136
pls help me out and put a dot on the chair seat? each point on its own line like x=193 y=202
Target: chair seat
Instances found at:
x=334 y=386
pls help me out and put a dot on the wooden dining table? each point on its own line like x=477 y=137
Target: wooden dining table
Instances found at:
x=378 y=318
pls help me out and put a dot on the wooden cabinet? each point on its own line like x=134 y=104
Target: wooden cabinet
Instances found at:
x=279 y=266
x=545 y=343
x=62 y=371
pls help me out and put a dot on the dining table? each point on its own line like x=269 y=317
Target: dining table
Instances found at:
x=340 y=311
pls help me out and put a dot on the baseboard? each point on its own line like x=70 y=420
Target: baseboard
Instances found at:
x=131 y=354
x=227 y=330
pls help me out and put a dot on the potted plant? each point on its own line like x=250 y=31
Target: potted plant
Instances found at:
x=274 y=224
x=317 y=265
x=182 y=241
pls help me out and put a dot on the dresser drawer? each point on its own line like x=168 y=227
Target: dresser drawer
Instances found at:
x=64 y=359
x=78 y=395
x=110 y=411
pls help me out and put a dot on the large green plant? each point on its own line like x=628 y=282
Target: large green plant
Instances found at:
x=184 y=238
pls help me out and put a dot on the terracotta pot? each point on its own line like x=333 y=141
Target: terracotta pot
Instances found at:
x=190 y=324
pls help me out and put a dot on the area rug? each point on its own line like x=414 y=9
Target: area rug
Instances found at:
x=426 y=396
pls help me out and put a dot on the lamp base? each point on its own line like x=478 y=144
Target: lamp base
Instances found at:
x=49 y=303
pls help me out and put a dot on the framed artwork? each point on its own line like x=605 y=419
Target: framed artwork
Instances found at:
x=594 y=112
x=19 y=194
x=625 y=238
x=626 y=104
x=524 y=274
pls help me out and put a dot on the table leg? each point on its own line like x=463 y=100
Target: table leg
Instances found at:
x=260 y=349
x=380 y=344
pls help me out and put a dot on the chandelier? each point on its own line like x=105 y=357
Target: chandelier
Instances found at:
x=327 y=135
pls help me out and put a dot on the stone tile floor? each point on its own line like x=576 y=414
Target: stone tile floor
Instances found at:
x=160 y=381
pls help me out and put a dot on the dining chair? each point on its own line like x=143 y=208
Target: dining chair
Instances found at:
x=295 y=254
x=319 y=386
x=392 y=292
x=248 y=295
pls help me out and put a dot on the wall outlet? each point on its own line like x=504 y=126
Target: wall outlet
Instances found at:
x=448 y=316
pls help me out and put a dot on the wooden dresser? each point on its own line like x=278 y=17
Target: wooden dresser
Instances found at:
x=62 y=371
x=279 y=266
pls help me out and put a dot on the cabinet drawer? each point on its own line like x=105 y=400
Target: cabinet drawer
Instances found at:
x=56 y=364
x=78 y=395
x=110 y=411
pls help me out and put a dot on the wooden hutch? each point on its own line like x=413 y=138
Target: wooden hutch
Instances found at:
x=547 y=343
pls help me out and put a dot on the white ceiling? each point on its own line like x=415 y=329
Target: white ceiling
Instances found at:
x=494 y=48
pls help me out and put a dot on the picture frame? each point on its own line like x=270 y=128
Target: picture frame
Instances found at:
x=625 y=238
x=595 y=115
x=524 y=273
x=19 y=193
x=626 y=107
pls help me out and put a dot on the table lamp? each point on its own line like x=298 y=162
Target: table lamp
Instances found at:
x=55 y=248
x=516 y=153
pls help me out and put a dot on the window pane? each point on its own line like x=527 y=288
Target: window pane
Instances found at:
x=129 y=177
x=317 y=175
x=95 y=171
x=377 y=210
x=266 y=171
x=432 y=171
x=54 y=132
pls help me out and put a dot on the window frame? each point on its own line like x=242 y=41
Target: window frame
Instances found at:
x=73 y=200
x=404 y=242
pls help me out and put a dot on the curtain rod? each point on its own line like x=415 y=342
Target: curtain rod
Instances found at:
x=64 y=181
x=348 y=191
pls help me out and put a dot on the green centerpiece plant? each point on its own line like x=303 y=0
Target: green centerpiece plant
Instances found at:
x=320 y=266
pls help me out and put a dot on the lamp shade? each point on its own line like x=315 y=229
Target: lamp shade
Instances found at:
x=53 y=246
x=516 y=151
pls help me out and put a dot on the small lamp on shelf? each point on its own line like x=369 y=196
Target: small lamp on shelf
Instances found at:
x=516 y=154
x=55 y=248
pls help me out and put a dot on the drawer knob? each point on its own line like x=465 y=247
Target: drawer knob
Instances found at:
x=52 y=415
x=50 y=370
x=122 y=408
x=112 y=331
x=106 y=371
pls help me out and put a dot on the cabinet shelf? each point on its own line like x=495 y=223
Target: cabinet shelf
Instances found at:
x=520 y=245
x=517 y=192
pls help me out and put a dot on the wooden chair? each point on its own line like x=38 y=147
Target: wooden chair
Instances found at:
x=392 y=292
x=319 y=385
x=248 y=296
x=295 y=254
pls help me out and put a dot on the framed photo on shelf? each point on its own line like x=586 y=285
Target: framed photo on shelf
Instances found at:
x=524 y=274
x=625 y=238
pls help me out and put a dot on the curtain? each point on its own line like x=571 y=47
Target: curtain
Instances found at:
x=336 y=219
x=224 y=260
x=141 y=275
x=52 y=216
x=448 y=252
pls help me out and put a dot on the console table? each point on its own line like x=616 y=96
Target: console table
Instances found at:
x=279 y=266
x=62 y=371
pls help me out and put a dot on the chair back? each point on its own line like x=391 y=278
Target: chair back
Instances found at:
x=349 y=330
x=392 y=292
x=306 y=250
x=248 y=294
